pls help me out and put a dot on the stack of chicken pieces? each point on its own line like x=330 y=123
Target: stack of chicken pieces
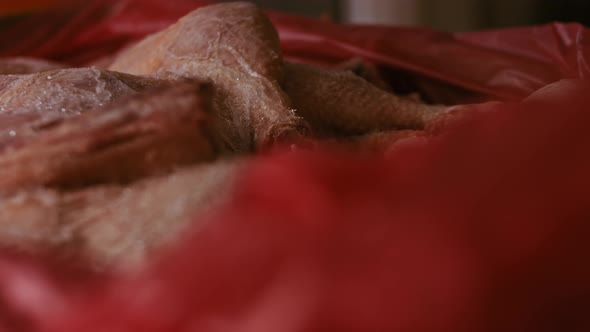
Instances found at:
x=108 y=164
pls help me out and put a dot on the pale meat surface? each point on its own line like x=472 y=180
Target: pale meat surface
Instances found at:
x=67 y=91
x=139 y=136
x=337 y=102
x=115 y=226
x=236 y=46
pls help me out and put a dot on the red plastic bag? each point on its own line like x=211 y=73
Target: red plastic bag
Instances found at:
x=445 y=67
x=482 y=229
x=23 y=6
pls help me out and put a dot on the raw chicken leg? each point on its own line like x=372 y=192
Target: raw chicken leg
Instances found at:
x=337 y=102
x=236 y=46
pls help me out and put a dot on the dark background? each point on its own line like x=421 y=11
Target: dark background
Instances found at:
x=564 y=10
x=455 y=15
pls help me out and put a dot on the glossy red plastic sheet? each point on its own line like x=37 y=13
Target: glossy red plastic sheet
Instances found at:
x=445 y=67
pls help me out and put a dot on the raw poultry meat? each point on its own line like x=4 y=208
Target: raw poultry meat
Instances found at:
x=365 y=70
x=67 y=91
x=236 y=46
x=90 y=167
x=139 y=136
x=114 y=226
x=337 y=102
